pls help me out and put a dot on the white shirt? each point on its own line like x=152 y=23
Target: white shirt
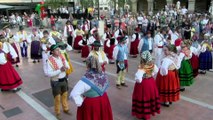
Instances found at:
x=91 y=40
x=3 y=59
x=134 y=37
x=174 y=36
x=76 y=93
x=139 y=74
x=150 y=40
x=140 y=19
x=166 y=62
x=51 y=41
x=70 y=29
x=159 y=40
x=117 y=33
x=7 y=48
x=51 y=72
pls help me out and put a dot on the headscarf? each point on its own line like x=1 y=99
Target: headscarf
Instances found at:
x=146 y=55
x=93 y=64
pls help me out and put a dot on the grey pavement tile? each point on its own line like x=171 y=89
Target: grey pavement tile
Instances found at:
x=12 y=112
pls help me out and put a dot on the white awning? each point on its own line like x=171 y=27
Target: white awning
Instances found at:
x=5 y=6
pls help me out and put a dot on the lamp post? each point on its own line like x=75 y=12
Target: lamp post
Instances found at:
x=98 y=10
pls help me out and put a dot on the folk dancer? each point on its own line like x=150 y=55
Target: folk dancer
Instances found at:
x=99 y=54
x=56 y=70
x=46 y=42
x=136 y=37
x=22 y=37
x=85 y=48
x=64 y=49
x=36 y=50
x=10 y=39
x=78 y=37
x=186 y=70
x=159 y=42
x=9 y=78
x=146 y=44
x=145 y=91
x=89 y=94
x=205 y=57
x=120 y=54
x=167 y=79
x=69 y=32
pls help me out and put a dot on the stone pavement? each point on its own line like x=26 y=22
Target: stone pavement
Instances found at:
x=35 y=100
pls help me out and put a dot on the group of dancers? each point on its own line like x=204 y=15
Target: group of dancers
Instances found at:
x=166 y=65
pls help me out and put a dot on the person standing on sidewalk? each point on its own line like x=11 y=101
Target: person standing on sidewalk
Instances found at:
x=56 y=70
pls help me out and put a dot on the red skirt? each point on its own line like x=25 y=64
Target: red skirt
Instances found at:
x=9 y=57
x=9 y=78
x=97 y=108
x=134 y=47
x=145 y=99
x=110 y=52
x=85 y=51
x=195 y=64
x=106 y=49
x=168 y=86
x=76 y=46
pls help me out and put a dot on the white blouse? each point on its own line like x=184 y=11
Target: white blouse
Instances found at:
x=139 y=74
x=76 y=93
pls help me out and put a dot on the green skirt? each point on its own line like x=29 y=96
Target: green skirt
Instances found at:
x=186 y=73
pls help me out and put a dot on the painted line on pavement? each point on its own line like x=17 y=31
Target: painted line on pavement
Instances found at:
x=46 y=114
x=205 y=105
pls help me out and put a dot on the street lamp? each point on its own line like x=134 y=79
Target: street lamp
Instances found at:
x=98 y=10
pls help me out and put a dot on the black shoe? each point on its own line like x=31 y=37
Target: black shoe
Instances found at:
x=17 y=66
x=124 y=85
x=202 y=72
x=3 y=90
x=118 y=86
x=182 y=89
x=34 y=61
x=170 y=103
x=38 y=61
x=111 y=62
x=165 y=104
x=16 y=90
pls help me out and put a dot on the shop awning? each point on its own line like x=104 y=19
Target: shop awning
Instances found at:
x=5 y=6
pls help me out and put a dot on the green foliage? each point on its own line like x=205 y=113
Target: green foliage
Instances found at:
x=87 y=3
x=56 y=3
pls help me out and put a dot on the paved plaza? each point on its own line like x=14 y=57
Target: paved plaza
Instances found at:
x=35 y=101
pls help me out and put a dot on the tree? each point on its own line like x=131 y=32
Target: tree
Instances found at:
x=56 y=3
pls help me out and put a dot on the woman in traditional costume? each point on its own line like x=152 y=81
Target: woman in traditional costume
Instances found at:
x=167 y=80
x=36 y=50
x=9 y=78
x=134 y=43
x=89 y=94
x=186 y=71
x=194 y=59
x=205 y=57
x=79 y=36
x=145 y=91
x=85 y=48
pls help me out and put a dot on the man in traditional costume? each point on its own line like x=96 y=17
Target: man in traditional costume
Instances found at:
x=69 y=32
x=23 y=40
x=89 y=94
x=120 y=54
x=56 y=70
x=99 y=54
x=159 y=41
x=146 y=44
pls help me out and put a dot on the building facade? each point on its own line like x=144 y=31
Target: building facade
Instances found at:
x=155 y=5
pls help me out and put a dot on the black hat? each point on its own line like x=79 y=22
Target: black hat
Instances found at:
x=53 y=47
x=121 y=39
x=97 y=43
